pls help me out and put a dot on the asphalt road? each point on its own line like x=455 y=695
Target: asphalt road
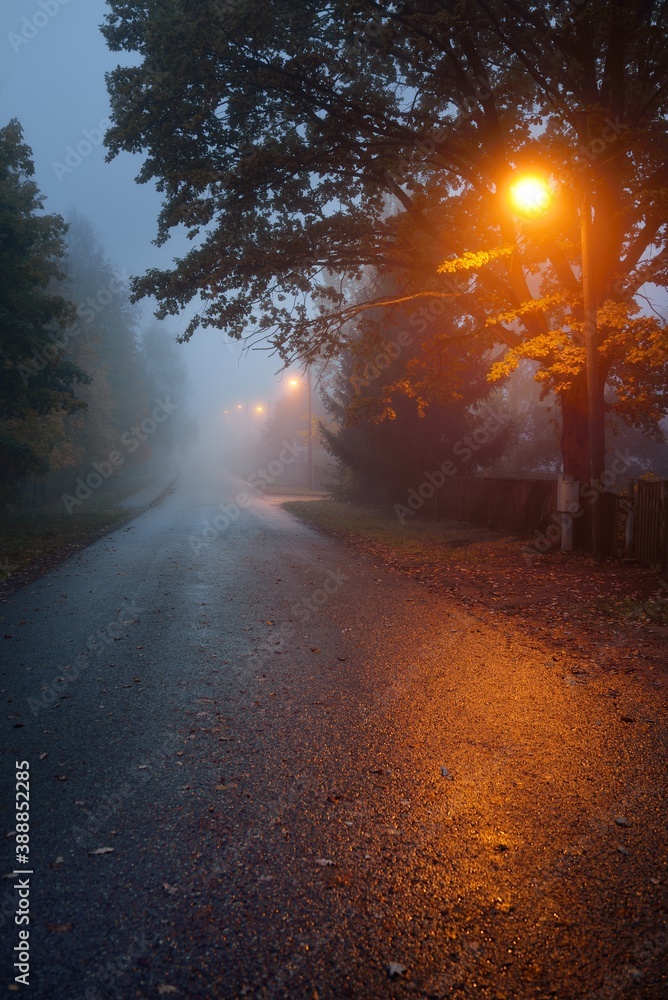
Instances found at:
x=262 y=766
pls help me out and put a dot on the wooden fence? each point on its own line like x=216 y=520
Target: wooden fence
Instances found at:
x=635 y=522
x=518 y=505
x=649 y=512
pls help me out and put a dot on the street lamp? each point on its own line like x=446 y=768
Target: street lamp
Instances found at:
x=295 y=383
x=531 y=196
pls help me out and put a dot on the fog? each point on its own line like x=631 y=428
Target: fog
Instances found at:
x=52 y=80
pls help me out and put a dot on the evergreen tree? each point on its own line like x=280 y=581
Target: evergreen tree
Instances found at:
x=105 y=341
x=37 y=381
x=409 y=405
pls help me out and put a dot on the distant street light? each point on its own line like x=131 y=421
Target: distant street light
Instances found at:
x=261 y=409
x=531 y=196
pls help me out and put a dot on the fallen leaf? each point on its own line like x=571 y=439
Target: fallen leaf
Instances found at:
x=164 y=989
x=42 y=756
x=101 y=850
x=171 y=889
x=59 y=928
x=396 y=969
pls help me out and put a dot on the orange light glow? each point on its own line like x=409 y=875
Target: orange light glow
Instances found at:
x=531 y=195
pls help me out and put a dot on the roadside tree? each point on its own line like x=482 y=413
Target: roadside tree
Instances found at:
x=296 y=141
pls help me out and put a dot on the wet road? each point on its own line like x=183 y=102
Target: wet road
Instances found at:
x=262 y=766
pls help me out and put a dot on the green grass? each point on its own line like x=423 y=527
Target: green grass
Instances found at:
x=414 y=539
x=294 y=491
x=652 y=610
x=31 y=541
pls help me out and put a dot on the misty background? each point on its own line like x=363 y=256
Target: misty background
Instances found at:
x=52 y=81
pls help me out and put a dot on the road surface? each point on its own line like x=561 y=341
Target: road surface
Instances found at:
x=262 y=766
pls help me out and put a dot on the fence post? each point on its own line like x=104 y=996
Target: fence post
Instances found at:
x=629 y=539
x=663 y=527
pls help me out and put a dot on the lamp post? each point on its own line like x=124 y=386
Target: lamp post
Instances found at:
x=594 y=415
x=310 y=429
x=309 y=439
x=531 y=196
x=244 y=407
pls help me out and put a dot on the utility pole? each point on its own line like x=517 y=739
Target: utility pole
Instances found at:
x=594 y=399
x=310 y=430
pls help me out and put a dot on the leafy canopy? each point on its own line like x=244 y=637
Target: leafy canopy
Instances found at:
x=32 y=309
x=299 y=143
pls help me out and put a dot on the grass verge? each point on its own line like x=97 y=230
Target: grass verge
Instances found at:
x=553 y=591
x=439 y=543
x=31 y=542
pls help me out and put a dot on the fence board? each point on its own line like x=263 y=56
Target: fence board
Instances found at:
x=524 y=506
x=650 y=523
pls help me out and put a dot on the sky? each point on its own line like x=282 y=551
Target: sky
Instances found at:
x=52 y=65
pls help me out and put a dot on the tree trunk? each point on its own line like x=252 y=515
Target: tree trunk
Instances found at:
x=575 y=455
x=575 y=431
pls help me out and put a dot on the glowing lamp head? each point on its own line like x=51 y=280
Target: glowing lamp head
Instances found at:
x=531 y=195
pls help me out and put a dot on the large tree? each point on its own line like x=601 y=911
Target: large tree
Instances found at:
x=296 y=141
x=37 y=381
